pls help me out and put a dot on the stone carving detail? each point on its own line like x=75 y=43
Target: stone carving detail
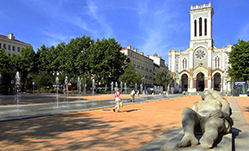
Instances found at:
x=210 y=117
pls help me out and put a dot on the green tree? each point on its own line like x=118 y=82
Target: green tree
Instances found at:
x=4 y=61
x=5 y=71
x=162 y=76
x=40 y=80
x=45 y=66
x=25 y=63
x=107 y=63
x=76 y=59
x=62 y=58
x=239 y=60
x=44 y=60
x=130 y=76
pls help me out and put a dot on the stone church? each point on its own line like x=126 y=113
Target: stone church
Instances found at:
x=203 y=65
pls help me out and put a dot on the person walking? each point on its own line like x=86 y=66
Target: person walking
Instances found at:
x=117 y=100
x=133 y=95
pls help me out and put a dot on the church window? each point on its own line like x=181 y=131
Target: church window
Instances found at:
x=217 y=62
x=184 y=63
x=200 y=26
x=195 y=28
x=205 y=24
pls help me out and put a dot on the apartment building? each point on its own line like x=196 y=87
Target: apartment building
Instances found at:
x=143 y=64
x=158 y=62
x=12 y=45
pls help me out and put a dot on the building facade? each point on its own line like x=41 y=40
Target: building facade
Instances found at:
x=158 y=62
x=12 y=45
x=203 y=65
x=142 y=64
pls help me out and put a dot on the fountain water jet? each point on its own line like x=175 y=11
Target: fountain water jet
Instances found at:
x=125 y=87
x=116 y=86
x=17 y=85
x=57 y=88
x=79 y=88
x=93 y=87
x=141 y=88
x=111 y=87
x=66 y=84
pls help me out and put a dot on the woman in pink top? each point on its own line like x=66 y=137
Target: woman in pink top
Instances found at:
x=117 y=100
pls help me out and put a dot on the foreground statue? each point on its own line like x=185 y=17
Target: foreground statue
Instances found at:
x=211 y=116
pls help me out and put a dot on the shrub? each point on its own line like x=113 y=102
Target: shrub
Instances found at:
x=74 y=92
x=51 y=91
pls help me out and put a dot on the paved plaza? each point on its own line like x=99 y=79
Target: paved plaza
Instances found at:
x=101 y=129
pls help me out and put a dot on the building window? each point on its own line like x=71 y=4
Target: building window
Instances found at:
x=184 y=63
x=13 y=48
x=200 y=26
x=9 y=47
x=195 y=28
x=18 y=49
x=4 y=46
x=205 y=24
x=217 y=62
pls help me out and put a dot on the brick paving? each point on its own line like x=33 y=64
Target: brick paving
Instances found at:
x=243 y=103
x=100 y=129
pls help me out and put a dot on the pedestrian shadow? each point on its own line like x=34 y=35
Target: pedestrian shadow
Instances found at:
x=131 y=110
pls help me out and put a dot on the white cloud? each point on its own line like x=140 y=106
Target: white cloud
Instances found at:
x=108 y=32
x=244 y=33
x=78 y=21
x=158 y=26
x=53 y=38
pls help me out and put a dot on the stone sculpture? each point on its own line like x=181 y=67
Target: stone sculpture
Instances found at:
x=211 y=117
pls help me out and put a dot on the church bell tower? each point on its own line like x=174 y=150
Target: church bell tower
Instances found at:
x=201 y=25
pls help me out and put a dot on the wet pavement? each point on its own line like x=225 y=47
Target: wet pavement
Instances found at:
x=27 y=106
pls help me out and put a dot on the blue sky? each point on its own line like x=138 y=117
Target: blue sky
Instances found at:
x=151 y=26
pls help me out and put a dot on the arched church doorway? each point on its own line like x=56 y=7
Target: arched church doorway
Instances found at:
x=200 y=82
x=184 y=79
x=217 y=81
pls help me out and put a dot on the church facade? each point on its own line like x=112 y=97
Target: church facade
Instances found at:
x=203 y=65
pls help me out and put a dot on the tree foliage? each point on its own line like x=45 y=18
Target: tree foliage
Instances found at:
x=75 y=52
x=130 y=76
x=107 y=63
x=81 y=57
x=239 y=60
x=5 y=69
x=162 y=76
x=25 y=63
